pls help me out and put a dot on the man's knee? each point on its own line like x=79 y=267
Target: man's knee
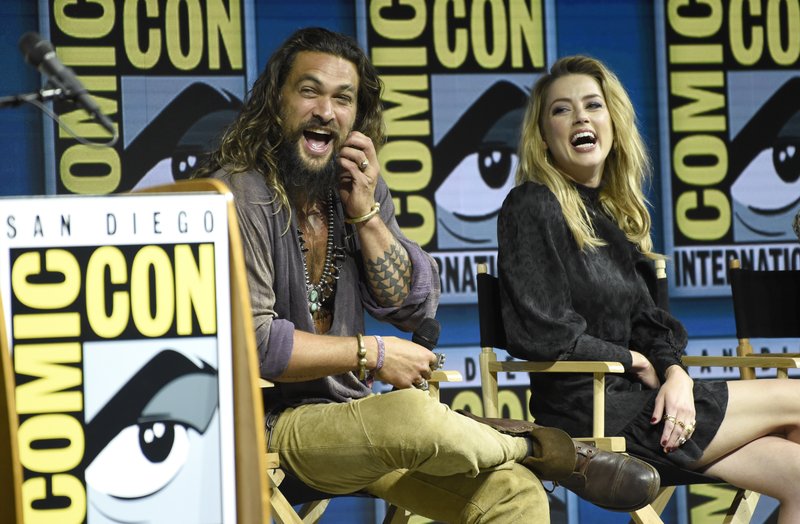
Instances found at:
x=512 y=494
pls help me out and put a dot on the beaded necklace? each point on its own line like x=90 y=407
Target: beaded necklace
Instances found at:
x=320 y=292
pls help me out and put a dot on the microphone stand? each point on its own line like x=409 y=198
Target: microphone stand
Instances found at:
x=43 y=95
x=47 y=93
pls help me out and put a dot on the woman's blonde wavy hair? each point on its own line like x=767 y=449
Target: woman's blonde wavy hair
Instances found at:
x=251 y=142
x=626 y=167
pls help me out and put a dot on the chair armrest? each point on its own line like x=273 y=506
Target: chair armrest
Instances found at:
x=446 y=375
x=750 y=361
x=561 y=366
x=596 y=368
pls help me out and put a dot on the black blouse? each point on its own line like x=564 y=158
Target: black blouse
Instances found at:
x=560 y=303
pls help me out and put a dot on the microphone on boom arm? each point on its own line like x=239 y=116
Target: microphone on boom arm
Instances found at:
x=40 y=54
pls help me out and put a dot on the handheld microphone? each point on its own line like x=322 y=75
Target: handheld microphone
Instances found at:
x=427 y=335
x=40 y=54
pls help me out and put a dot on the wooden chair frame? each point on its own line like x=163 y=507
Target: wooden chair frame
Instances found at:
x=743 y=506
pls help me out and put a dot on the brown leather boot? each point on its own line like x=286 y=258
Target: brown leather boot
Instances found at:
x=613 y=481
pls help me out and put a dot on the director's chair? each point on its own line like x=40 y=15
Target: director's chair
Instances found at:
x=492 y=335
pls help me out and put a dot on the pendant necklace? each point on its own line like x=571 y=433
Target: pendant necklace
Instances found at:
x=320 y=292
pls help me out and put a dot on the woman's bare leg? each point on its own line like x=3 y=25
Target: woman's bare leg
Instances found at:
x=757 y=446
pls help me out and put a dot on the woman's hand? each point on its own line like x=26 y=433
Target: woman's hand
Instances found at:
x=644 y=370
x=675 y=406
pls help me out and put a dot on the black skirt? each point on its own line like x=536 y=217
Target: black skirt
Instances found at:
x=643 y=439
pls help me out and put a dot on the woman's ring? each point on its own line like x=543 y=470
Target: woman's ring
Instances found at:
x=671 y=418
x=681 y=441
x=364 y=165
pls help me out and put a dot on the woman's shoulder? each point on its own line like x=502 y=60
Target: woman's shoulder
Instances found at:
x=532 y=195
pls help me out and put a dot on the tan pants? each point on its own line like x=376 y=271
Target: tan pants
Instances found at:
x=415 y=452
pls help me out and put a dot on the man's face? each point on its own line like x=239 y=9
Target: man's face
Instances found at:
x=318 y=104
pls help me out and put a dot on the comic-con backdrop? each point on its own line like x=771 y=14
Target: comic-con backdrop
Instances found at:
x=719 y=78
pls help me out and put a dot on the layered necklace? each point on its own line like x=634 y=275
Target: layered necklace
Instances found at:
x=320 y=292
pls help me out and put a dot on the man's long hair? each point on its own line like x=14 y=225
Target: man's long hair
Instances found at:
x=252 y=141
x=626 y=167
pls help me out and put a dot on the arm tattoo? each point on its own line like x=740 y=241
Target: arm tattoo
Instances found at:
x=390 y=276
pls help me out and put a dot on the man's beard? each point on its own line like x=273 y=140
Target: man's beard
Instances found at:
x=304 y=183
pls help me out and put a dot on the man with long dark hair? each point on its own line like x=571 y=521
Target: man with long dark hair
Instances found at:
x=322 y=245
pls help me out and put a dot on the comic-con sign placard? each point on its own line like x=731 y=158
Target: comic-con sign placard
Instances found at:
x=730 y=138
x=457 y=77
x=118 y=317
x=169 y=74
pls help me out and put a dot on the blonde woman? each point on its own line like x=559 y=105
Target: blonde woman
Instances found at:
x=574 y=242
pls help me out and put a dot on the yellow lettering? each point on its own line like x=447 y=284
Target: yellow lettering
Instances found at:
x=54 y=427
x=480 y=40
x=141 y=58
x=404 y=105
x=789 y=55
x=528 y=26
x=191 y=59
x=447 y=56
x=85 y=27
x=743 y=54
x=195 y=289
x=106 y=159
x=35 y=489
x=402 y=29
x=43 y=295
x=112 y=259
x=701 y=147
x=226 y=26
x=152 y=259
x=406 y=151
x=714 y=203
x=696 y=26
x=688 y=117
x=48 y=392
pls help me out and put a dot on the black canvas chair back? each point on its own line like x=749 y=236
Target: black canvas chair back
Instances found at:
x=766 y=303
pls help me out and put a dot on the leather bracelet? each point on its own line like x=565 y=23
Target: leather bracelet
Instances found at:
x=363 y=218
x=362 y=358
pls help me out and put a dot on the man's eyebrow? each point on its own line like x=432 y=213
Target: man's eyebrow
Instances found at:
x=313 y=78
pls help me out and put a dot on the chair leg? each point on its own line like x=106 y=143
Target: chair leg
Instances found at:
x=396 y=515
x=646 y=515
x=652 y=513
x=311 y=512
x=742 y=507
x=661 y=500
x=282 y=512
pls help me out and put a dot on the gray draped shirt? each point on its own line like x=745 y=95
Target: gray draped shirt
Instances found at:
x=277 y=285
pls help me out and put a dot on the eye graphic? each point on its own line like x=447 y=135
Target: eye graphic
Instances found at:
x=140 y=460
x=144 y=439
x=786 y=151
x=495 y=164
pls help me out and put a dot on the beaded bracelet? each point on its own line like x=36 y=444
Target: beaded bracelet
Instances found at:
x=362 y=358
x=363 y=218
x=381 y=354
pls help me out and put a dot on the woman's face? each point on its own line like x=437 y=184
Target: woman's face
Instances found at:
x=577 y=128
